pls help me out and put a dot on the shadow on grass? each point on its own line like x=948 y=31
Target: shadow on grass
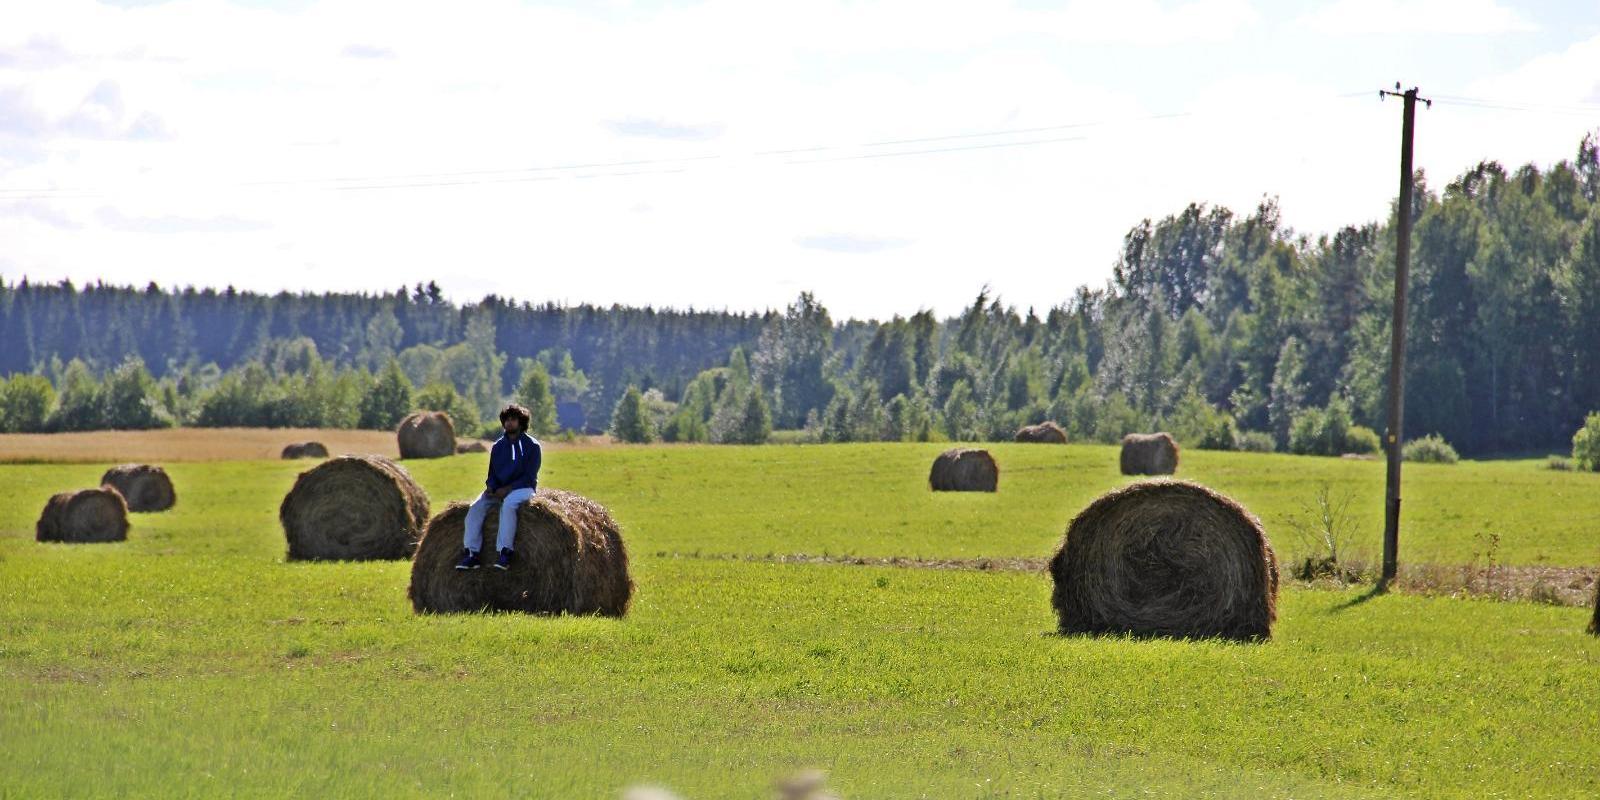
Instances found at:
x=1378 y=589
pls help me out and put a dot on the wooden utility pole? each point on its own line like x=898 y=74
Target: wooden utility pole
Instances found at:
x=1394 y=439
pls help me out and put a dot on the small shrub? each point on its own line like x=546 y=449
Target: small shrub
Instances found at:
x=1224 y=435
x=1306 y=433
x=1586 y=444
x=1255 y=442
x=1362 y=440
x=1430 y=449
x=1559 y=464
x=1325 y=528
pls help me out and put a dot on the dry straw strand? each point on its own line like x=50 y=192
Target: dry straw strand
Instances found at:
x=1166 y=558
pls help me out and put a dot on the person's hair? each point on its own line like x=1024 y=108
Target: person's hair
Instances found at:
x=517 y=411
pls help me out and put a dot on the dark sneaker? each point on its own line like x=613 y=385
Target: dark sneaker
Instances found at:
x=504 y=561
x=469 y=560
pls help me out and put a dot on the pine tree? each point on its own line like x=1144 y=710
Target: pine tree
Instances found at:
x=387 y=401
x=756 y=424
x=630 y=420
x=534 y=394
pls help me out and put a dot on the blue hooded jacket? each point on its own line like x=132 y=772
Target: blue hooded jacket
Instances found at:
x=514 y=463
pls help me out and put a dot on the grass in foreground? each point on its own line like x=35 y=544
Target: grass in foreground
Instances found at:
x=192 y=660
x=155 y=675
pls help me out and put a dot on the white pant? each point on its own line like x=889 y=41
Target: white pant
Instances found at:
x=508 y=519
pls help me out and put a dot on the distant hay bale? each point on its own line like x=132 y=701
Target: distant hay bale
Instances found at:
x=1149 y=454
x=1047 y=432
x=87 y=515
x=145 y=487
x=1166 y=558
x=474 y=446
x=1594 y=624
x=305 y=450
x=427 y=434
x=353 y=508
x=569 y=559
x=964 y=470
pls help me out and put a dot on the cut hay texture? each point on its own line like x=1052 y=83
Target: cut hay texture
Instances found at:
x=569 y=559
x=471 y=447
x=145 y=487
x=427 y=434
x=1047 y=432
x=1594 y=624
x=1166 y=558
x=305 y=450
x=87 y=515
x=964 y=470
x=1149 y=454
x=353 y=508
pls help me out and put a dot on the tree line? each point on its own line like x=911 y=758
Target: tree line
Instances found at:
x=1229 y=330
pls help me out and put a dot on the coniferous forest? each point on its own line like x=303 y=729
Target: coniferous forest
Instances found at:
x=1225 y=327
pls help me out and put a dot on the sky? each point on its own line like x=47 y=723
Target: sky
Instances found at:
x=888 y=156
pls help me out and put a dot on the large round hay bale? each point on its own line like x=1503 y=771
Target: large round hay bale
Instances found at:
x=353 y=508
x=1047 y=432
x=1149 y=454
x=964 y=469
x=87 y=515
x=569 y=559
x=305 y=450
x=427 y=434
x=474 y=446
x=145 y=487
x=1166 y=558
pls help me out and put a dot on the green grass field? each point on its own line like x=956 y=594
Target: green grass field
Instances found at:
x=193 y=661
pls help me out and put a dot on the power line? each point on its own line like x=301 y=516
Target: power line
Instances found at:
x=987 y=146
x=543 y=173
x=1517 y=105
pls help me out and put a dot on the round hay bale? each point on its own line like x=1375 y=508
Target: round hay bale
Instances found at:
x=964 y=470
x=570 y=559
x=87 y=515
x=471 y=447
x=427 y=434
x=353 y=508
x=1166 y=558
x=305 y=450
x=145 y=487
x=1149 y=454
x=1594 y=624
x=1047 y=432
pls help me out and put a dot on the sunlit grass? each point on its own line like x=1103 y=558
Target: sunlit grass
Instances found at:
x=192 y=660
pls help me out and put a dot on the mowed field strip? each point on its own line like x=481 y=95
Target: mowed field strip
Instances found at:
x=193 y=660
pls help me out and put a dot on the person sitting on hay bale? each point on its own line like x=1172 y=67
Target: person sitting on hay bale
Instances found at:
x=514 y=463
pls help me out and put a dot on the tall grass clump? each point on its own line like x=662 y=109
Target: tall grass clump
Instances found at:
x=1430 y=449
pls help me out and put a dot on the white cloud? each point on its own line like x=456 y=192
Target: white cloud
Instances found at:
x=283 y=159
x=1416 y=16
